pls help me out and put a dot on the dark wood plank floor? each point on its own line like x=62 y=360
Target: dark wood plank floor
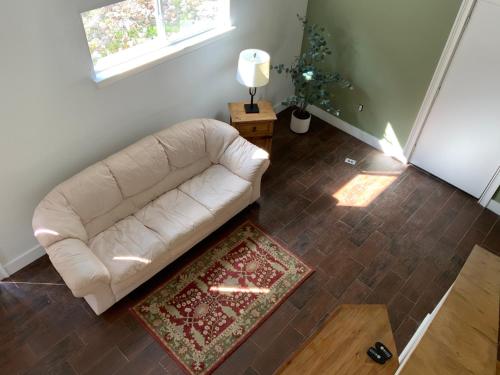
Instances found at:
x=403 y=249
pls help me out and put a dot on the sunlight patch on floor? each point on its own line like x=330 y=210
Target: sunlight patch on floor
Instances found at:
x=363 y=189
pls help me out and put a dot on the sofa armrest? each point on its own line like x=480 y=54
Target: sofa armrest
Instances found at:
x=54 y=220
x=245 y=160
x=80 y=269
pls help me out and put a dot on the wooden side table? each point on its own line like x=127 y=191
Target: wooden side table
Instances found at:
x=257 y=128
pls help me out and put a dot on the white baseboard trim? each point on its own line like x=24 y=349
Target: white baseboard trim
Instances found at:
x=494 y=206
x=24 y=259
x=380 y=144
x=279 y=107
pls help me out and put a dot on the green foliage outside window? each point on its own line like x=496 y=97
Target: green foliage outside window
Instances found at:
x=129 y=23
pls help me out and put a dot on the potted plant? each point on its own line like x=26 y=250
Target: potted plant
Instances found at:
x=311 y=82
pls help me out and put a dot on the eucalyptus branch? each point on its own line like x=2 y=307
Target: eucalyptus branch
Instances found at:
x=312 y=84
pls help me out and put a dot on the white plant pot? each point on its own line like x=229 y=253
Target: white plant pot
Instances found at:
x=298 y=125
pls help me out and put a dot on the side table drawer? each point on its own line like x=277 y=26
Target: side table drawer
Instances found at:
x=261 y=129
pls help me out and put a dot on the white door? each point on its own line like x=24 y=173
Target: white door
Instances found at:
x=460 y=142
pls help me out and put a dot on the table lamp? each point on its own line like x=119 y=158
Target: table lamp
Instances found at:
x=253 y=72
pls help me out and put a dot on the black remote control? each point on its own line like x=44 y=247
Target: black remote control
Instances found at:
x=383 y=350
x=375 y=355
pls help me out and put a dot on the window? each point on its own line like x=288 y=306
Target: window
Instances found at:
x=128 y=31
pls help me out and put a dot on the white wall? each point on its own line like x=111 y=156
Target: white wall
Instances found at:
x=55 y=121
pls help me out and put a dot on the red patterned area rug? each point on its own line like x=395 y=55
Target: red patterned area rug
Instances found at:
x=205 y=311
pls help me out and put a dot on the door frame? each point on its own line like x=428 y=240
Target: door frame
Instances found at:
x=444 y=63
x=490 y=191
x=456 y=34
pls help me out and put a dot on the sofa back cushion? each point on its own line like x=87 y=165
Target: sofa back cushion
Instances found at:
x=139 y=166
x=184 y=143
x=92 y=192
x=125 y=182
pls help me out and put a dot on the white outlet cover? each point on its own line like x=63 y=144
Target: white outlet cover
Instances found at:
x=350 y=161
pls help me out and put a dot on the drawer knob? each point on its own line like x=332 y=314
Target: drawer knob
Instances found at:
x=254 y=129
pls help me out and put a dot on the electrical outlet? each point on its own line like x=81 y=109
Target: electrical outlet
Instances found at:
x=361 y=107
x=350 y=161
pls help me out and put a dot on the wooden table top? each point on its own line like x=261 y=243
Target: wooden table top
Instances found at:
x=238 y=114
x=463 y=336
x=340 y=346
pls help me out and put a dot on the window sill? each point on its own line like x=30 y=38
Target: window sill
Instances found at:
x=128 y=68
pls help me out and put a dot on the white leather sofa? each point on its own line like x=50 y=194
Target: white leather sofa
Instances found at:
x=117 y=223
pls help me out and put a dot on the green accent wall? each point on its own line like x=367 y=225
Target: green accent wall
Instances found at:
x=389 y=49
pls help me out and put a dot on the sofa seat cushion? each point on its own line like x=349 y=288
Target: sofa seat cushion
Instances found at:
x=127 y=248
x=217 y=189
x=175 y=217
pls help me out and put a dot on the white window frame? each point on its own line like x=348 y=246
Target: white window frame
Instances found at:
x=143 y=56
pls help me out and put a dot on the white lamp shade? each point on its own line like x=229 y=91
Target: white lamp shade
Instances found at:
x=253 y=68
